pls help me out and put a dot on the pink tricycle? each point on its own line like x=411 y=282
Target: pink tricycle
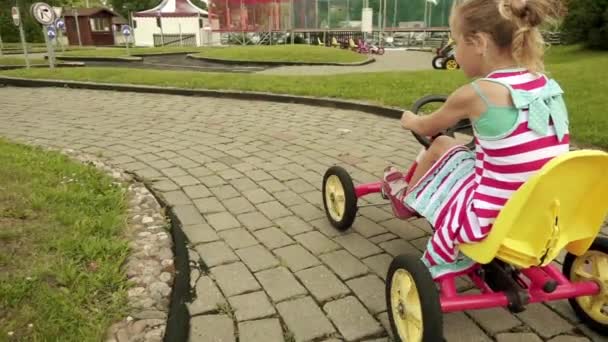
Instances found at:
x=516 y=261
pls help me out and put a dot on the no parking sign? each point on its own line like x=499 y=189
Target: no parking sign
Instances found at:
x=60 y=24
x=51 y=32
x=126 y=30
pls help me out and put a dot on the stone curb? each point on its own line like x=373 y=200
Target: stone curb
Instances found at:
x=97 y=59
x=276 y=63
x=391 y=112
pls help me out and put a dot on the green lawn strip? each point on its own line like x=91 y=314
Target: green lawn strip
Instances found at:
x=284 y=53
x=61 y=247
x=578 y=71
x=20 y=61
x=122 y=52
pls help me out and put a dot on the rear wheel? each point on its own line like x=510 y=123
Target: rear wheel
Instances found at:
x=451 y=64
x=438 y=63
x=339 y=198
x=591 y=266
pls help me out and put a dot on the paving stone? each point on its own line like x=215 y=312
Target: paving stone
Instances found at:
x=165 y=185
x=544 y=321
x=458 y=327
x=517 y=337
x=307 y=211
x=382 y=238
x=273 y=237
x=185 y=180
x=208 y=297
x=243 y=184
x=230 y=174
x=200 y=171
x=290 y=198
x=370 y=291
x=379 y=264
x=273 y=210
x=305 y=319
x=209 y=205
x=259 y=175
x=563 y=308
x=494 y=320
x=238 y=205
x=223 y=329
x=398 y=247
x=280 y=284
x=224 y=192
x=222 y=221
x=352 y=319
x=238 y=238
x=257 y=196
x=254 y=221
x=420 y=244
x=266 y=330
x=174 y=172
x=149 y=173
x=569 y=338
x=257 y=258
x=375 y=214
x=212 y=181
x=293 y=225
x=234 y=279
x=316 y=242
x=367 y=227
x=322 y=283
x=325 y=227
x=216 y=253
x=200 y=233
x=188 y=214
x=383 y=318
x=296 y=257
x=251 y=306
x=403 y=229
x=299 y=186
x=592 y=335
x=357 y=245
x=344 y=264
x=197 y=191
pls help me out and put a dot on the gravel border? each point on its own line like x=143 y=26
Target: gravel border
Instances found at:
x=277 y=63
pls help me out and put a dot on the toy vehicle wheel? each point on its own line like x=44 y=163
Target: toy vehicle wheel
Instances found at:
x=381 y=51
x=593 y=265
x=412 y=300
x=438 y=63
x=339 y=198
x=451 y=64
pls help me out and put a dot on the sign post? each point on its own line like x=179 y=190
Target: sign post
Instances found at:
x=126 y=31
x=17 y=21
x=44 y=14
x=1 y=45
x=77 y=27
x=60 y=25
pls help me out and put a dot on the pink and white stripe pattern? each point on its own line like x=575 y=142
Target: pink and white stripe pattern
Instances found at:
x=501 y=167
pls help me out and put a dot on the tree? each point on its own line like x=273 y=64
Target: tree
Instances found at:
x=587 y=23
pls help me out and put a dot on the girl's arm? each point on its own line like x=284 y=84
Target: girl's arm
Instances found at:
x=463 y=103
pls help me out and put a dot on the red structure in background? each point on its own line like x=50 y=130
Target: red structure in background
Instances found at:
x=249 y=15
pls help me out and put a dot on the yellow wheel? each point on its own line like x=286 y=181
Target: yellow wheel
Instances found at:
x=339 y=198
x=591 y=266
x=412 y=301
x=451 y=64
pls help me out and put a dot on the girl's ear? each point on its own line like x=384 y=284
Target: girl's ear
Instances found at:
x=480 y=43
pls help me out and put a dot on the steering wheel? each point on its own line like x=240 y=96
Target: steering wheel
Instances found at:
x=464 y=126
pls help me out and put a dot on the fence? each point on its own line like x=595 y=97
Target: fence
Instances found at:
x=175 y=40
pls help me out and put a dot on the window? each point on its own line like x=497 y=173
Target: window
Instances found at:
x=100 y=24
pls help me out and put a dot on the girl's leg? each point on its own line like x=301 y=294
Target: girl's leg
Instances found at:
x=437 y=149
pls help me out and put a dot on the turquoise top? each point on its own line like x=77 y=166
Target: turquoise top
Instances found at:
x=498 y=122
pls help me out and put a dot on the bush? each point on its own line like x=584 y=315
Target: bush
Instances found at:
x=587 y=23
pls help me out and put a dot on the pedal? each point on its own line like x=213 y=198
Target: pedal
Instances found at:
x=501 y=277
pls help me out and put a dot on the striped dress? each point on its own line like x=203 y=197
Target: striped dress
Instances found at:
x=464 y=191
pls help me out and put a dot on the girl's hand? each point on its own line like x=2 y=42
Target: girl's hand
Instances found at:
x=408 y=120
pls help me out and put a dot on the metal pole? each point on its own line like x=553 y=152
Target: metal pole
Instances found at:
x=23 y=43
x=77 y=28
x=162 y=35
x=1 y=45
x=291 y=20
x=317 y=14
x=181 y=43
x=328 y=15
x=395 y=14
x=49 y=48
x=127 y=45
x=348 y=11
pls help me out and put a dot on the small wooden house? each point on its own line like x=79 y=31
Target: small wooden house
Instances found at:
x=96 y=26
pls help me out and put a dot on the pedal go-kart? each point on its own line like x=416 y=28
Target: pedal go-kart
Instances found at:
x=561 y=207
x=445 y=58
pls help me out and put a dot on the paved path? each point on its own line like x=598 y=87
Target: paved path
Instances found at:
x=244 y=178
x=391 y=61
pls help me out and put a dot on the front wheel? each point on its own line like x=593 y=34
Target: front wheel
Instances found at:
x=412 y=301
x=380 y=51
x=451 y=64
x=438 y=63
x=591 y=266
x=339 y=198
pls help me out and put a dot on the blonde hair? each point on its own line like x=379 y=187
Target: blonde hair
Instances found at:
x=512 y=24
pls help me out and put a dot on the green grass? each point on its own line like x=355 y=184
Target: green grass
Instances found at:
x=20 y=61
x=580 y=72
x=284 y=53
x=122 y=52
x=61 y=248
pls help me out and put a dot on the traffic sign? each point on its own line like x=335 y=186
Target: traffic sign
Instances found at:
x=43 y=13
x=16 y=16
x=60 y=24
x=50 y=31
x=58 y=11
x=126 y=30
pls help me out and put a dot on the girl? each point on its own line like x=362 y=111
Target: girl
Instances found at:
x=519 y=118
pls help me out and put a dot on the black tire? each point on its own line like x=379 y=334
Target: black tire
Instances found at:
x=438 y=63
x=432 y=317
x=350 y=200
x=424 y=141
x=601 y=245
x=381 y=51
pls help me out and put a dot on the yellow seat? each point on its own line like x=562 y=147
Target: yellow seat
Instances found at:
x=334 y=42
x=562 y=206
x=319 y=41
x=352 y=44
